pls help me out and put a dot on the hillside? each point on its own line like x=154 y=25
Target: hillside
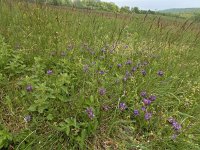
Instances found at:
x=181 y=10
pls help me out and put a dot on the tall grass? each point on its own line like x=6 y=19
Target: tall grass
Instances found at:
x=72 y=79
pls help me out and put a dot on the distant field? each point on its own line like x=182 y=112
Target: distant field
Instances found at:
x=79 y=79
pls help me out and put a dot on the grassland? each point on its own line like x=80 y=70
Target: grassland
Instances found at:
x=74 y=79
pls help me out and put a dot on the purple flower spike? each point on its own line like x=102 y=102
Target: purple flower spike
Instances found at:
x=136 y=112
x=90 y=113
x=148 y=116
x=143 y=94
x=146 y=102
x=49 y=72
x=152 y=97
x=102 y=91
x=160 y=73
x=143 y=72
x=129 y=62
x=29 y=88
x=122 y=106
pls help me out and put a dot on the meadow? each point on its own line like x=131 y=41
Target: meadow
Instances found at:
x=83 y=79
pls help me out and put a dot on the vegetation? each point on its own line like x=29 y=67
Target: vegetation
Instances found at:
x=81 y=79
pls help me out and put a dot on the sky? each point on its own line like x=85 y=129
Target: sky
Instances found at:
x=157 y=4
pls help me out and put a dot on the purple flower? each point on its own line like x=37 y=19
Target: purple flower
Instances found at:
x=134 y=69
x=160 y=73
x=122 y=106
x=143 y=94
x=152 y=97
x=143 y=108
x=126 y=46
x=102 y=91
x=148 y=116
x=129 y=62
x=146 y=101
x=176 y=126
x=119 y=65
x=27 y=118
x=49 y=72
x=90 y=113
x=143 y=72
x=136 y=112
x=101 y=72
x=29 y=88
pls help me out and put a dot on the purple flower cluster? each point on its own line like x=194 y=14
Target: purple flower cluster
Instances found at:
x=90 y=113
x=175 y=125
x=122 y=106
x=148 y=116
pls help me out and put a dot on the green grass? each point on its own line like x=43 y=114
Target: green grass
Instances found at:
x=83 y=49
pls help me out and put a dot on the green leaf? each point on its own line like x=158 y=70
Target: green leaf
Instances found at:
x=50 y=117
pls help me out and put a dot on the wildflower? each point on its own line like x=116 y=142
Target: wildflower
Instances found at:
x=122 y=106
x=148 y=116
x=119 y=65
x=101 y=72
x=152 y=97
x=143 y=94
x=134 y=69
x=49 y=72
x=146 y=102
x=27 y=118
x=136 y=112
x=143 y=108
x=126 y=46
x=176 y=126
x=90 y=113
x=160 y=73
x=129 y=62
x=29 y=88
x=143 y=72
x=102 y=91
